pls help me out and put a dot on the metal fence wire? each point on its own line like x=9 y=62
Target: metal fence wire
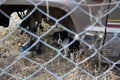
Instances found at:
x=32 y=45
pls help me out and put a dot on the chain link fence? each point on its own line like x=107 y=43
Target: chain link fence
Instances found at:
x=29 y=52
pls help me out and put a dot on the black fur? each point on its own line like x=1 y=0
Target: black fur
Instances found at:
x=74 y=46
x=64 y=35
x=36 y=48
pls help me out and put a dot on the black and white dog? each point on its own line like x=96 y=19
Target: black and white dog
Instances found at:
x=64 y=39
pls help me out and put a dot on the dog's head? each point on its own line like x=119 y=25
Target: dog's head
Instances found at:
x=60 y=36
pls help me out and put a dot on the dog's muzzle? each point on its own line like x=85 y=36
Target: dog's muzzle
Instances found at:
x=59 y=41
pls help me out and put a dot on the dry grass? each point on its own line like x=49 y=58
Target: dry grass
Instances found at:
x=9 y=50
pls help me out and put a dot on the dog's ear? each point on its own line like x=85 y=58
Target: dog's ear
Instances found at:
x=55 y=35
x=65 y=34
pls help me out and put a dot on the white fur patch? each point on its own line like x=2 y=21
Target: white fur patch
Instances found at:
x=76 y=37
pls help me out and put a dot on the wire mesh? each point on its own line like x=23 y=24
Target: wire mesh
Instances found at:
x=29 y=52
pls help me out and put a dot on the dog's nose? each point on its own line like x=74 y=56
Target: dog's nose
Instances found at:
x=59 y=41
